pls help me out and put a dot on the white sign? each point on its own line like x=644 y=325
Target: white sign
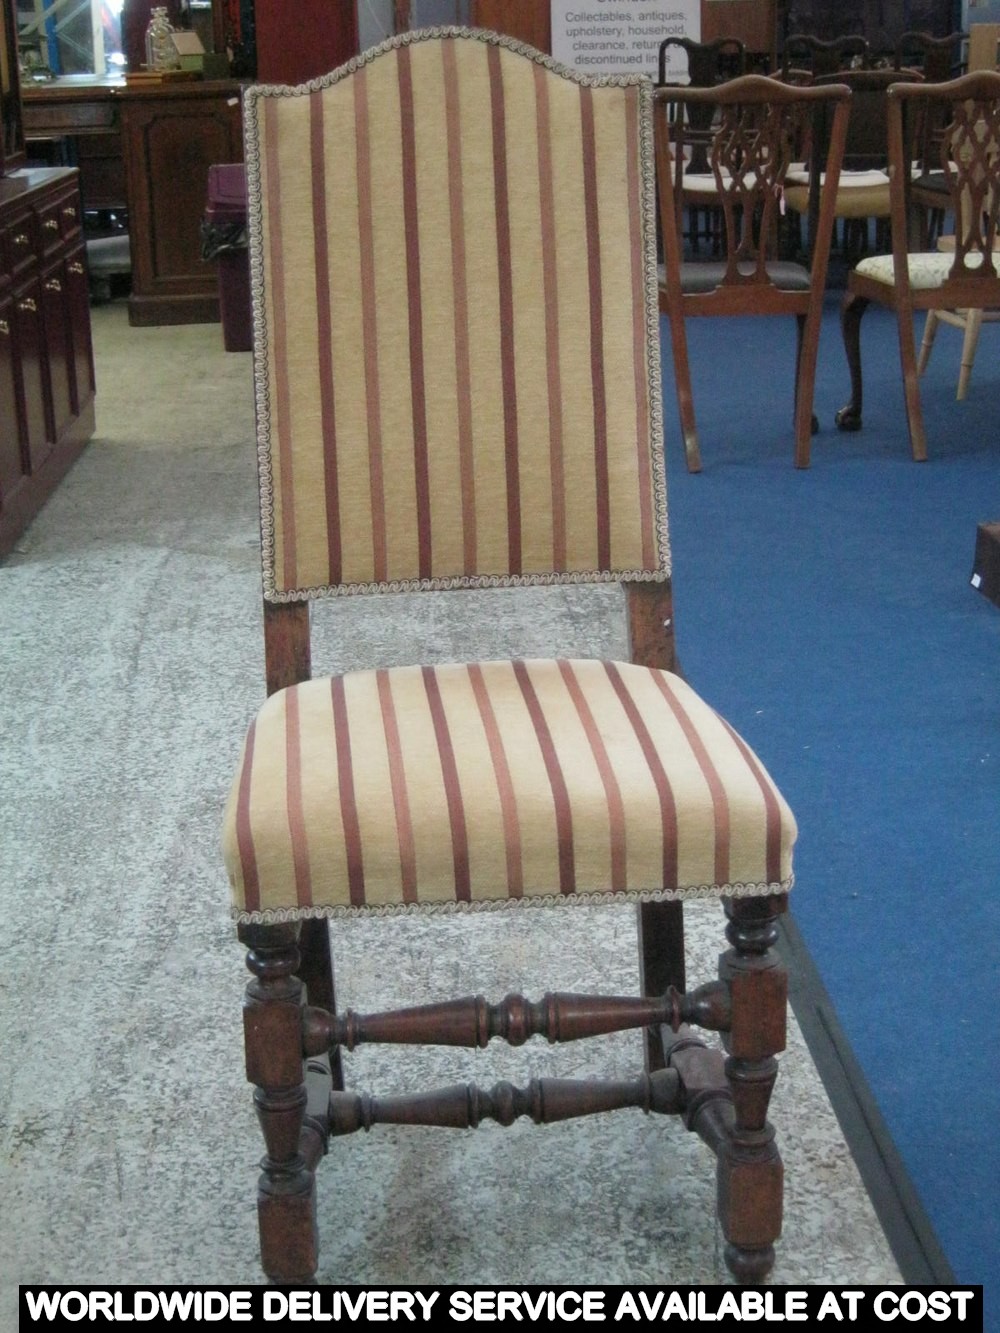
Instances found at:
x=623 y=36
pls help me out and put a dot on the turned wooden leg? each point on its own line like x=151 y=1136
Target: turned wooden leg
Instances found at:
x=316 y=974
x=272 y=1022
x=750 y=1177
x=661 y=963
x=927 y=341
x=973 y=323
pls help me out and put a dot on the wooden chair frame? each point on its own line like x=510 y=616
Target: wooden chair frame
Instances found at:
x=970 y=163
x=754 y=141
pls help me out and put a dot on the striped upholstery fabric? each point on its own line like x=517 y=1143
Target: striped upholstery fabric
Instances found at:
x=476 y=784
x=457 y=360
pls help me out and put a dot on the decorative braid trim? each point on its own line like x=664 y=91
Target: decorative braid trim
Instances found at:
x=255 y=225
x=275 y=916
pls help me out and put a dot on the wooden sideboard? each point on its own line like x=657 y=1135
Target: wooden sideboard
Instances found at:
x=153 y=144
x=46 y=358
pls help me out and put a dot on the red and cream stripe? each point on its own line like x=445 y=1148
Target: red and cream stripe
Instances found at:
x=469 y=783
x=456 y=308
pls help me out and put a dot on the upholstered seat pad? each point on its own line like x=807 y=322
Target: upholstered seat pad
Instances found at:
x=697 y=278
x=489 y=782
x=927 y=270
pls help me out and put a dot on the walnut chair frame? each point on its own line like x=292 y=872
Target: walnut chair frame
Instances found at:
x=968 y=111
x=757 y=134
x=387 y=352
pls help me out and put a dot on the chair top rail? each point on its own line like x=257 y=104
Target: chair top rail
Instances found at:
x=750 y=88
x=980 y=85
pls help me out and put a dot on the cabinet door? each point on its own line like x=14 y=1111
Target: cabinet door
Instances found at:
x=11 y=468
x=78 y=309
x=29 y=339
x=58 y=348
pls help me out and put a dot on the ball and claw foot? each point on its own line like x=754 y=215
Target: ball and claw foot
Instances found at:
x=848 y=418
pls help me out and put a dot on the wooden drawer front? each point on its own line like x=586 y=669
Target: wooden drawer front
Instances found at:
x=71 y=118
x=70 y=218
x=59 y=221
x=21 y=242
x=49 y=226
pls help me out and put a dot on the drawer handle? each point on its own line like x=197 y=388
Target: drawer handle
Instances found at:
x=76 y=267
x=53 y=285
x=21 y=238
x=51 y=224
x=69 y=212
x=4 y=328
x=27 y=304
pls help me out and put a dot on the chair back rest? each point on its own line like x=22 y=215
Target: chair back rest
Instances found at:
x=865 y=148
x=708 y=63
x=453 y=267
x=760 y=126
x=803 y=52
x=968 y=149
x=937 y=58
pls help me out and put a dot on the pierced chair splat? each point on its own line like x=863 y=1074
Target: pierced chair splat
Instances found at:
x=682 y=62
x=759 y=125
x=462 y=391
x=963 y=278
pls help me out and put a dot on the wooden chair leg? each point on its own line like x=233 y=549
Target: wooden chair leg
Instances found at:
x=316 y=974
x=272 y=1021
x=661 y=963
x=973 y=323
x=682 y=380
x=927 y=341
x=911 y=387
x=851 y=311
x=750 y=1174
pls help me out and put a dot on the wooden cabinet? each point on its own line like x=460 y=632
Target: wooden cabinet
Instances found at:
x=46 y=357
x=172 y=135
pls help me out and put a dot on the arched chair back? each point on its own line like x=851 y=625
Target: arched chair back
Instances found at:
x=804 y=54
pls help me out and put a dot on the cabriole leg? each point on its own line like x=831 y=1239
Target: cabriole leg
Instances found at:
x=853 y=307
x=750 y=1177
x=272 y=1021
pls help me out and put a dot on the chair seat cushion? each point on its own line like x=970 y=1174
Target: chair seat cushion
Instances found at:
x=860 y=194
x=697 y=279
x=928 y=269
x=479 y=785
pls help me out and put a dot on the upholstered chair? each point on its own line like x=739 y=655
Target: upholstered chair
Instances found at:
x=453 y=265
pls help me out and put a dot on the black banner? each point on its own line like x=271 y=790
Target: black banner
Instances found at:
x=628 y=1308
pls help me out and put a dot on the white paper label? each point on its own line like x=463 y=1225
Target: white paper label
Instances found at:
x=623 y=36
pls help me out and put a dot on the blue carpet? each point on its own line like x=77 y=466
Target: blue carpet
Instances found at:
x=828 y=613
